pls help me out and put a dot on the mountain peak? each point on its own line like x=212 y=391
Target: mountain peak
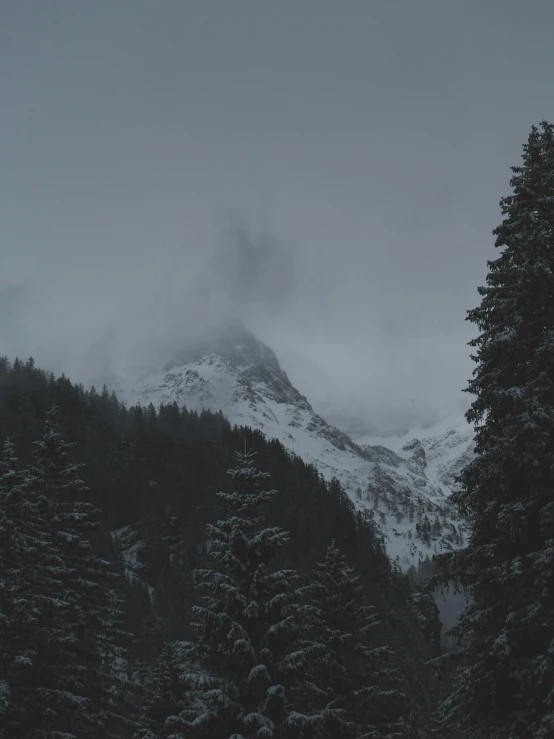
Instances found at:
x=232 y=371
x=232 y=352
x=231 y=340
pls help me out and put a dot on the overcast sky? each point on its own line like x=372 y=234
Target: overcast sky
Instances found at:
x=328 y=170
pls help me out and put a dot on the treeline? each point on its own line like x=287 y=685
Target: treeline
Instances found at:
x=104 y=522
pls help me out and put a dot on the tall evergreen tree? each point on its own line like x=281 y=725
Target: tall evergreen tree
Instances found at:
x=241 y=678
x=23 y=547
x=505 y=689
x=360 y=692
x=73 y=676
x=167 y=700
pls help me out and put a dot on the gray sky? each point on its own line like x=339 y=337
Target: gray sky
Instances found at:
x=358 y=148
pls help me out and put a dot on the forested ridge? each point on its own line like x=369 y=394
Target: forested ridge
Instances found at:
x=79 y=466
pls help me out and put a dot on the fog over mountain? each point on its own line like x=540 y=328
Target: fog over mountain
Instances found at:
x=168 y=165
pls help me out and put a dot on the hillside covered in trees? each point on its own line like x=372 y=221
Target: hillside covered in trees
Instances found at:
x=94 y=630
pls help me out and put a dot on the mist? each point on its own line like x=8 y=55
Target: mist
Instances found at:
x=328 y=174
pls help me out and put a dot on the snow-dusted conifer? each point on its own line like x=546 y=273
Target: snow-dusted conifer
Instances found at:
x=166 y=700
x=505 y=688
x=22 y=576
x=239 y=677
x=356 y=686
x=73 y=679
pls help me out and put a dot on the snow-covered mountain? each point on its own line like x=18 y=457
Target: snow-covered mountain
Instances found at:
x=403 y=483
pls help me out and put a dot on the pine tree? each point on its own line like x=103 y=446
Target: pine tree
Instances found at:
x=361 y=698
x=241 y=677
x=505 y=689
x=74 y=682
x=167 y=698
x=22 y=576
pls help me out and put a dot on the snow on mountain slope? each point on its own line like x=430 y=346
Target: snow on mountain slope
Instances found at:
x=448 y=446
x=404 y=489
